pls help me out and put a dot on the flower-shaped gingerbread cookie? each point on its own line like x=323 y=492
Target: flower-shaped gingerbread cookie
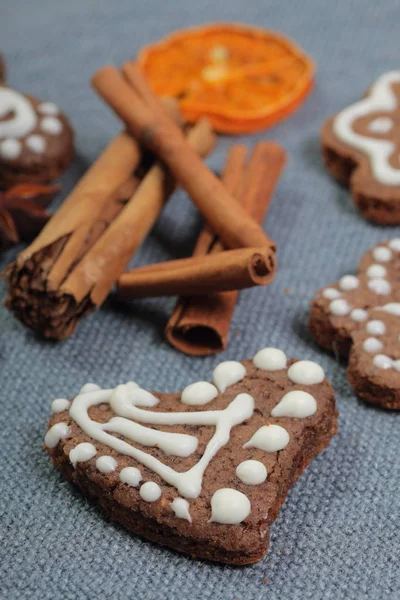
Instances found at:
x=361 y=148
x=360 y=316
x=36 y=139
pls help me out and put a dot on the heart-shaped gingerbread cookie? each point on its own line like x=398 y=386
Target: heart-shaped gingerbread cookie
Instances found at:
x=361 y=149
x=360 y=316
x=204 y=472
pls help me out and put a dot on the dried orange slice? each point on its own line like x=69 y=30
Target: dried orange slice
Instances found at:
x=242 y=78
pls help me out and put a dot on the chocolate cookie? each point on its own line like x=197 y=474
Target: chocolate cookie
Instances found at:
x=361 y=149
x=36 y=139
x=206 y=471
x=359 y=316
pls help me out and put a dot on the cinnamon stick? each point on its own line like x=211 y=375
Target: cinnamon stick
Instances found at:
x=68 y=270
x=199 y=325
x=229 y=270
x=152 y=125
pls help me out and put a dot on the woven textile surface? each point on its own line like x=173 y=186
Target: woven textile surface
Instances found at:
x=337 y=536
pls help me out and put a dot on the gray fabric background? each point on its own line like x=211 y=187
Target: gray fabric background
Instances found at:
x=337 y=536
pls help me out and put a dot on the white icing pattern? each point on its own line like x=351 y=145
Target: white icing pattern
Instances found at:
x=123 y=401
x=134 y=421
x=380 y=98
x=229 y=507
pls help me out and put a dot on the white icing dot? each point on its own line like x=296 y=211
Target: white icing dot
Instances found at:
x=339 y=308
x=358 y=315
x=227 y=373
x=270 y=359
x=331 y=293
x=270 y=438
x=251 y=472
x=376 y=271
x=382 y=254
x=380 y=286
x=130 y=475
x=200 y=392
x=381 y=361
x=372 y=345
x=36 y=143
x=89 y=387
x=229 y=507
x=394 y=244
x=180 y=506
x=396 y=365
x=82 y=453
x=106 y=464
x=348 y=282
x=381 y=125
x=55 y=434
x=150 y=491
x=306 y=372
x=51 y=125
x=59 y=404
x=376 y=327
x=392 y=308
x=10 y=148
x=48 y=108
x=295 y=404
x=141 y=397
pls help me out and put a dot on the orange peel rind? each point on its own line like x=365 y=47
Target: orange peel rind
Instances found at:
x=242 y=78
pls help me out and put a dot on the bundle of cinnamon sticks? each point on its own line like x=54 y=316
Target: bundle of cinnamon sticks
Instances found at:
x=71 y=267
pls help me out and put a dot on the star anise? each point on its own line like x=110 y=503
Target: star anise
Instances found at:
x=23 y=212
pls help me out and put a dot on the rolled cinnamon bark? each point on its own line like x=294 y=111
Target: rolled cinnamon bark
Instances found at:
x=201 y=275
x=69 y=269
x=152 y=125
x=199 y=325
